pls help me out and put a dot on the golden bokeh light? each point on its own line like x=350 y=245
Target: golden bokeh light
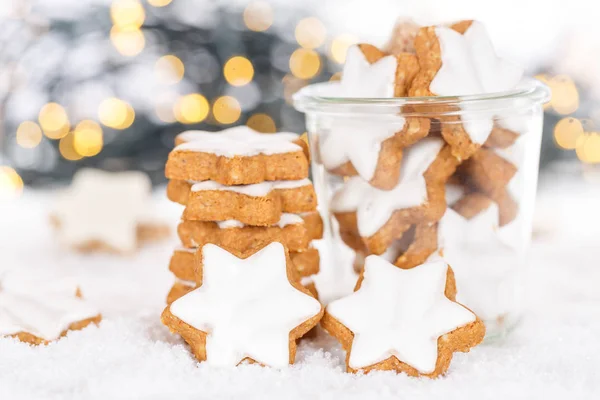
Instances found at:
x=159 y=3
x=169 y=69
x=191 y=108
x=115 y=113
x=29 y=134
x=305 y=63
x=128 y=42
x=226 y=110
x=258 y=16
x=238 y=71
x=567 y=131
x=127 y=14
x=164 y=107
x=11 y=183
x=588 y=148
x=262 y=123
x=67 y=150
x=565 y=96
x=54 y=121
x=339 y=47
x=87 y=138
x=310 y=33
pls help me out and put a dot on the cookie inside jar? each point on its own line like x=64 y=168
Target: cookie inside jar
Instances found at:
x=430 y=151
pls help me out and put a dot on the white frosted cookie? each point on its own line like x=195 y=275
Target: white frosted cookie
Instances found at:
x=403 y=319
x=247 y=308
x=37 y=307
x=106 y=211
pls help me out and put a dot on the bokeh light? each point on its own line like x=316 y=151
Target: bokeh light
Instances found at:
x=262 y=123
x=127 y=14
x=565 y=96
x=29 y=135
x=191 y=108
x=226 y=110
x=258 y=16
x=54 y=121
x=588 y=148
x=87 y=138
x=339 y=47
x=115 y=113
x=128 y=42
x=11 y=183
x=238 y=71
x=305 y=63
x=159 y=3
x=66 y=147
x=310 y=33
x=169 y=69
x=567 y=131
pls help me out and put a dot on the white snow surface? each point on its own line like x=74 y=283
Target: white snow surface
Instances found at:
x=554 y=353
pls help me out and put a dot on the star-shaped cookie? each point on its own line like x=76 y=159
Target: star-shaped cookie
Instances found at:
x=37 y=306
x=482 y=259
x=361 y=78
x=249 y=307
x=403 y=320
x=106 y=211
x=374 y=207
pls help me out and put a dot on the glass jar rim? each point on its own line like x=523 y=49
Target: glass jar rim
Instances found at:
x=317 y=98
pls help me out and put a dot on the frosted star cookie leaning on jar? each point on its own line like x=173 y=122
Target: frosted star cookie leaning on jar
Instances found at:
x=461 y=188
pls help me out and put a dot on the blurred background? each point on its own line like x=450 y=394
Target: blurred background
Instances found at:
x=108 y=83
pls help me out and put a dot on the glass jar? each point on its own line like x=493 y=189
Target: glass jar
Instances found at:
x=412 y=179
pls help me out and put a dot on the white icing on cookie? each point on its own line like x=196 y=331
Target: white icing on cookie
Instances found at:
x=39 y=303
x=242 y=141
x=362 y=79
x=481 y=259
x=374 y=207
x=399 y=313
x=247 y=307
x=358 y=141
x=453 y=193
x=254 y=190
x=469 y=67
x=240 y=132
x=285 y=220
x=103 y=206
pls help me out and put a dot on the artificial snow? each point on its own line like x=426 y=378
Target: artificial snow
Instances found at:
x=553 y=353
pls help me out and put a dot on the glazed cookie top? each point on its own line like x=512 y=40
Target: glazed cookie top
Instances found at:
x=39 y=303
x=247 y=307
x=363 y=79
x=239 y=141
x=401 y=313
x=470 y=66
x=241 y=132
x=285 y=220
x=254 y=190
x=374 y=207
x=103 y=206
x=358 y=140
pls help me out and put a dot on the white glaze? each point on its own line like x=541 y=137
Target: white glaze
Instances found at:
x=285 y=220
x=241 y=141
x=482 y=261
x=469 y=67
x=254 y=190
x=247 y=307
x=358 y=141
x=40 y=303
x=362 y=79
x=240 y=132
x=399 y=313
x=374 y=207
x=103 y=206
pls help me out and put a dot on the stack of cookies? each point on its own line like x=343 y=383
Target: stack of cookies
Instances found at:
x=242 y=189
x=437 y=179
